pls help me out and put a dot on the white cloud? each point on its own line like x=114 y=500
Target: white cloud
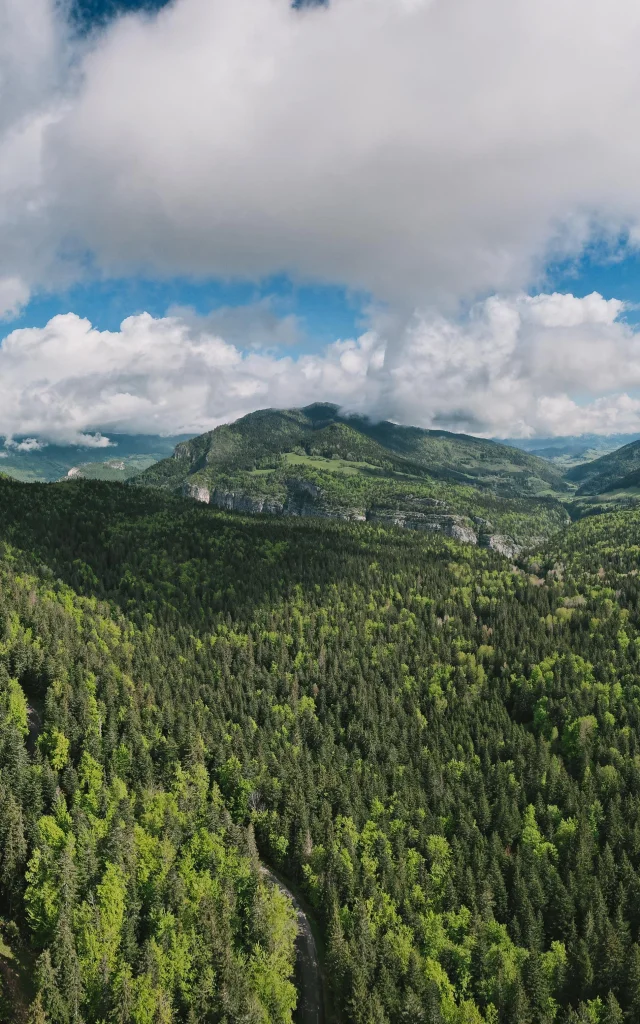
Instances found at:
x=14 y=295
x=29 y=444
x=34 y=78
x=548 y=364
x=421 y=150
x=426 y=151
x=256 y=325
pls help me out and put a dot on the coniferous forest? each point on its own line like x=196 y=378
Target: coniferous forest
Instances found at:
x=437 y=746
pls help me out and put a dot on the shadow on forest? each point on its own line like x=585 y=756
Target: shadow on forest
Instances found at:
x=136 y=546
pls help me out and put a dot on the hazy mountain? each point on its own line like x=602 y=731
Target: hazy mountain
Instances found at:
x=566 y=452
x=126 y=455
x=618 y=470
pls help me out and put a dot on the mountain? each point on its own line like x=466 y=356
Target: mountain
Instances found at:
x=319 y=431
x=31 y=461
x=436 y=747
x=569 y=451
x=315 y=461
x=614 y=471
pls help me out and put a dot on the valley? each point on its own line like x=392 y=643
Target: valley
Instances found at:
x=406 y=684
x=436 y=743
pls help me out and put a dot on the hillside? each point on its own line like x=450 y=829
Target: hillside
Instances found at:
x=608 y=472
x=319 y=430
x=437 y=746
x=314 y=461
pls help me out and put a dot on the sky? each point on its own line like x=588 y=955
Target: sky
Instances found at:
x=424 y=210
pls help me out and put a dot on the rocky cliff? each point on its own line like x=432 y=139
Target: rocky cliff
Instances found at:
x=306 y=499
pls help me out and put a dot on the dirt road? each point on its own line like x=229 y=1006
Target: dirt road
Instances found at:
x=308 y=976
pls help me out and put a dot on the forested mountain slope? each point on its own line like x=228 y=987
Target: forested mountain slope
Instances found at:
x=314 y=462
x=610 y=472
x=122 y=871
x=320 y=430
x=255 y=442
x=439 y=747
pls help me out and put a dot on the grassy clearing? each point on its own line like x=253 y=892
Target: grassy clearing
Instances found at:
x=329 y=465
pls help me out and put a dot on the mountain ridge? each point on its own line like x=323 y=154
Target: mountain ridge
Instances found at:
x=607 y=473
x=317 y=461
x=269 y=431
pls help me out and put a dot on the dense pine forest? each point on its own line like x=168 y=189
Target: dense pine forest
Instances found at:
x=437 y=746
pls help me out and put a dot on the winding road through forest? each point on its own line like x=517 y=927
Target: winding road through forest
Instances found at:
x=308 y=974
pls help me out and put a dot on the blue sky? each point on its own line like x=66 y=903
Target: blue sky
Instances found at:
x=355 y=202
x=325 y=312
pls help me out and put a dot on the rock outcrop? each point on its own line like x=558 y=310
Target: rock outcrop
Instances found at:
x=196 y=492
x=304 y=499
x=307 y=499
x=502 y=544
x=454 y=526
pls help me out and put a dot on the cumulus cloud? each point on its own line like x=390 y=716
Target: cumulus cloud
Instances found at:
x=34 y=79
x=427 y=152
x=419 y=149
x=547 y=364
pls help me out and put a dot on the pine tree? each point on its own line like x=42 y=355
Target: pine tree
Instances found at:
x=611 y=1014
x=37 y=1013
x=52 y=1000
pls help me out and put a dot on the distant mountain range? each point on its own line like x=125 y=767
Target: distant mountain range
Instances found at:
x=619 y=471
x=127 y=455
x=566 y=452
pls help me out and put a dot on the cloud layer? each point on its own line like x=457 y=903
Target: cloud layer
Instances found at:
x=548 y=364
x=431 y=152
x=420 y=149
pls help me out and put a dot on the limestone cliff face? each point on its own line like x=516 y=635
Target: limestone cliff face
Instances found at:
x=449 y=525
x=502 y=544
x=304 y=499
x=233 y=501
x=195 y=492
x=307 y=499
x=238 y=501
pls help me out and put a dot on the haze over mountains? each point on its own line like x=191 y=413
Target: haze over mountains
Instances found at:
x=572 y=450
x=119 y=456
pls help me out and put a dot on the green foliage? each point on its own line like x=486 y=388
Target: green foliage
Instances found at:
x=139 y=897
x=615 y=471
x=440 y=751
x=313 y=461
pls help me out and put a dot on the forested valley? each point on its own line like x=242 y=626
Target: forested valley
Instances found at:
x=437 y=746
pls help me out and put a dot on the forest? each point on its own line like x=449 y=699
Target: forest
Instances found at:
x=438 y=746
